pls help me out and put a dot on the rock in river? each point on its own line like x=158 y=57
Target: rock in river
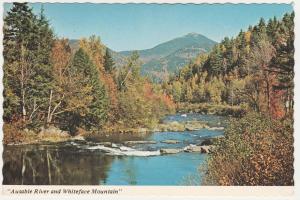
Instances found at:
x=192 y=148
x=170 y=151
x=206 y=149
x=195 y=125
x=139 y=142
x=170 y=141
x=201 y=149
x=215 y=128
x=170 y=126
x=108 y=144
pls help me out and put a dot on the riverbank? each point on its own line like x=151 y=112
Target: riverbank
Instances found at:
x=15 y=136
x=211 y=109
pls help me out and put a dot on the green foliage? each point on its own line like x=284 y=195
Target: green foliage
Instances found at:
x=108 y=62
x=47 y=84
x=140 y=104
x=130 y=72
x=96 y=106
x=215 y=89
x=27 y=71
x=172 y=55
x=176 y=91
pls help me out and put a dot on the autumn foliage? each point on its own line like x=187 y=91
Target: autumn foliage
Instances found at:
x=256 y=150
x=49 y=83
x=255 y=68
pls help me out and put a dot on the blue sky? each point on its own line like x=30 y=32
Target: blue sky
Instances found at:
x=142 y=26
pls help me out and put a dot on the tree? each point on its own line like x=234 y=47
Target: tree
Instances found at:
x=130 y=74
x=95 y=113
x=27 y=46
x=108 y=62
x=60 y=61
x=101 y=58
x=260 y=58
x=177 y=91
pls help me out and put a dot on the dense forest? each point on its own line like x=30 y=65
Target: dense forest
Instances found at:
x=49 y=84
x=255 y=71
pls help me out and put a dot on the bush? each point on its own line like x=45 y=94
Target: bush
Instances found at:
x=13 y=133
x=255 y=151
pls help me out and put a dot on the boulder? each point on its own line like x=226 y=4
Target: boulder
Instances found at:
x=78 y=138
x=170 y=151
x=208 y=141
x=192 y=148
x=107 y=144
x=170 y=141
x=53 y=131
x=195 y=125
x=205 y=149
x=215 y=128
x=139 y=142
x=113 y=145
x=201 y=149
x=171 y=126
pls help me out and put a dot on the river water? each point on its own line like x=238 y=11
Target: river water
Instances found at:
x=83 y=163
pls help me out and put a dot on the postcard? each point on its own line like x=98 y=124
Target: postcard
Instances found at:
x=110 y=99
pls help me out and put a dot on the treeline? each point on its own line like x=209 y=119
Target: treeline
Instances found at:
x=254 y=69
x=48 y=83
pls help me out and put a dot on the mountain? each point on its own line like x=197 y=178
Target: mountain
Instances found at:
x=174 y=54
x=165 y=58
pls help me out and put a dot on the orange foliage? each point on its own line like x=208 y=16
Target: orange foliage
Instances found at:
x=277 y=104
x=111 y=88
x=159 y=97
x=60 y=57
x=255 y=151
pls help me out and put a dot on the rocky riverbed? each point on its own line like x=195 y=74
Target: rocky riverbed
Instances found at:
x=164 y=157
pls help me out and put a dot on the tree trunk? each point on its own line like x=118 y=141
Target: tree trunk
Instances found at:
x=268 y=93
x=24 y=113
x=49 y=116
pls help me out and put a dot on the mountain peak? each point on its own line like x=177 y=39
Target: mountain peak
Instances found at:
x=173 y=54
x=193 y=34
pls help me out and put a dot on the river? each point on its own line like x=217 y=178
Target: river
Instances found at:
x=83 y=163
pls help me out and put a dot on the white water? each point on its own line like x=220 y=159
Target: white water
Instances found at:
x=123 y=150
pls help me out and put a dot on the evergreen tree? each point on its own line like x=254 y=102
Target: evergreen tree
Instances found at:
x=27 y=69
x=96 y=112
x=108 y=62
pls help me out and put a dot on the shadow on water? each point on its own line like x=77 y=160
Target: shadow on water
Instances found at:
x=47 y=165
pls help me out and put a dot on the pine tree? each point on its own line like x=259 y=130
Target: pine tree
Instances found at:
x=27 y=46
x=108 y=62
x=18 y=28
x=97 y=107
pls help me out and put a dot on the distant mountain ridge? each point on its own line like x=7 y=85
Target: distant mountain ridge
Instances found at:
x=174 y=54
x=167 y=57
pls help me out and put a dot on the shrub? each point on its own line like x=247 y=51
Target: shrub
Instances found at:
x=255 y=151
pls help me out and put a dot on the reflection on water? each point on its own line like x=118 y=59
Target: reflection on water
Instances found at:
x=48 y=165
x=65 y=165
